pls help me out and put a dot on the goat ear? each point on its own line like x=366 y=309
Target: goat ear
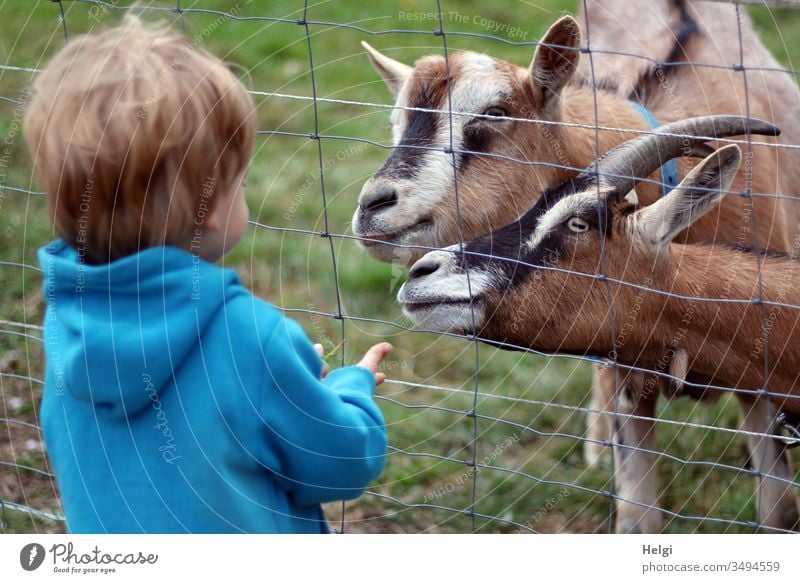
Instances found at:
x=393 y=72
x=555 y=60
x=699 y=192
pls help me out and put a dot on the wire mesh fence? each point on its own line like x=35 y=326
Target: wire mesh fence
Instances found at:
x=482 y=439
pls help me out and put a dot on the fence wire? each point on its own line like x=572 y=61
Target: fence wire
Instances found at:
x=406 y=393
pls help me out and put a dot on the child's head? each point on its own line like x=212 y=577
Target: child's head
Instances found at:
x=141 y=139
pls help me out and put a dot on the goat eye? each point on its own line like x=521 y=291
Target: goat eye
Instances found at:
x=577 y=225
x=496 y=112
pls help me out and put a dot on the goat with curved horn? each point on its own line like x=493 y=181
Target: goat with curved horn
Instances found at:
x=536 y=284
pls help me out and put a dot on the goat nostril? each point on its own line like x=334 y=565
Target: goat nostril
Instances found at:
x=383 y=197
x=423 y=267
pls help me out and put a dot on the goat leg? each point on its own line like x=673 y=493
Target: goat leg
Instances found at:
x=634 y=440
x=776 y=502
x=598 y=420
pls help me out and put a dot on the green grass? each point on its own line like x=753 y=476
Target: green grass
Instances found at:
x=295 y=271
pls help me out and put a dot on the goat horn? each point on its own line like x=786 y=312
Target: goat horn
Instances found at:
x=627 y=164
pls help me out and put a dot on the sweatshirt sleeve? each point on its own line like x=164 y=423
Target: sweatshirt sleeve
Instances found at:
x=324 y=440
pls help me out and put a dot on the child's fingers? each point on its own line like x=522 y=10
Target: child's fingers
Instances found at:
x=375 y=355
x=321 y=351
x=379 y=378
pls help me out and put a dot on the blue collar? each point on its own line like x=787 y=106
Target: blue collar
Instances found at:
x=669 y=171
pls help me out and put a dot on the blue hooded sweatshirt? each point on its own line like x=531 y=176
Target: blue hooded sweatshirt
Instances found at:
x=176 y=401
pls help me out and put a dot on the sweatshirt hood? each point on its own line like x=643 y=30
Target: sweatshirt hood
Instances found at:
x=116 y=333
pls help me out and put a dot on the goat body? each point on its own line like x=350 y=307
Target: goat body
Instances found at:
x=748 y=339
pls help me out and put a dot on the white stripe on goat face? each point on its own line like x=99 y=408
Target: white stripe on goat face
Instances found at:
x=563 y=210
x=477 y=86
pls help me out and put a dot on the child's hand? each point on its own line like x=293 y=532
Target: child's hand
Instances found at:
x=373 y=358
x=325 y=368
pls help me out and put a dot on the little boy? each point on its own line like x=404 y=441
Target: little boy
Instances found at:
x=175 y=400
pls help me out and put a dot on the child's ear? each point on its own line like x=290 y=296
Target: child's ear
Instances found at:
x=699 y=192
x=394 y=73
x=555 y=61
x=213 y=221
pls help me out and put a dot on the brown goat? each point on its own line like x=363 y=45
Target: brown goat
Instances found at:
x=411 y=200
x=504 y=114
x=523 y=289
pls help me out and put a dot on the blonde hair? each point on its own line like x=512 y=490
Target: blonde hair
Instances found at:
x=134 y=134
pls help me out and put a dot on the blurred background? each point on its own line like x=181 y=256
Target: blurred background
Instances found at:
x=528 y=421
